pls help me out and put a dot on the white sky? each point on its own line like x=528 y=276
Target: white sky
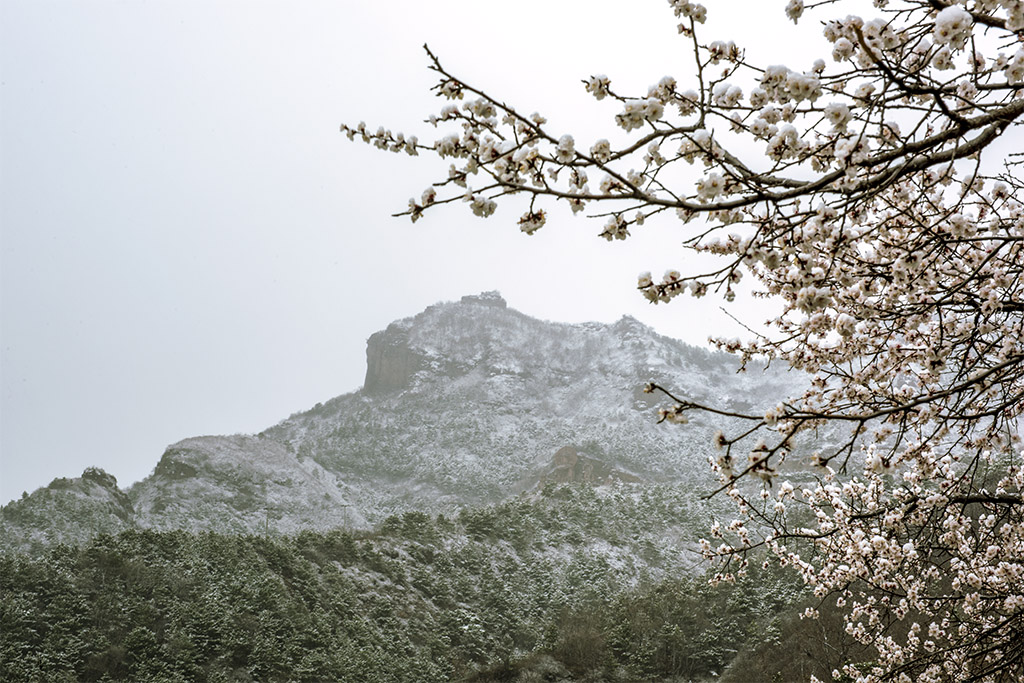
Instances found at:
x=189 y=246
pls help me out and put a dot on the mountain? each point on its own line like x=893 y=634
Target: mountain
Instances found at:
x=66 y=510
x=464 y=404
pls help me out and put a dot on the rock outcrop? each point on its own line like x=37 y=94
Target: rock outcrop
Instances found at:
x=394 y=356
x=569 y=466
x=492 y=298
x=390 y=363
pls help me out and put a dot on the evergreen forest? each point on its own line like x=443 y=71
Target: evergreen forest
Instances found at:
x=572 y=584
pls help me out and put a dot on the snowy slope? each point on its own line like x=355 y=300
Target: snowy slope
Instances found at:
x=468 y=398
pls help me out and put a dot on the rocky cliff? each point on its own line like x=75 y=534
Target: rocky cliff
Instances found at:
x=391 y=357
x=390 y=363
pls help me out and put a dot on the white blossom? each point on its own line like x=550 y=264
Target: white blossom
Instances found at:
x=952 y=26
x=710 y=186
x=598 y=86
x=565 y=152
x=532 y=221
x=842 y=49
x=1014 y=70
x=601 y=151
x=795 y=9
x=838 y=114
x=481 y=206
x=636 y=112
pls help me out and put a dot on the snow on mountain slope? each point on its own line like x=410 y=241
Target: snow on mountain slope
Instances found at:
x=464 y=404
x=467 y=398
x=240 y=484
x=60 y=511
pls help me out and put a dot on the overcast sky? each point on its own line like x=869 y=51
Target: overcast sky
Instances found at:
x=189 y=246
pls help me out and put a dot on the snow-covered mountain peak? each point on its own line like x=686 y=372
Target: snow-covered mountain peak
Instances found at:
x=480 y=333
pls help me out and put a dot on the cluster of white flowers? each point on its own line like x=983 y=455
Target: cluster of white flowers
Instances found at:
x=772 y=415
x=786 y=143
x=566 y=149
x=384 y=139
x=450 y=89
x=879 y=34
x=803 y=86
x=448 y=146
x=1014 y=14
x=723 y=51
x=601 y=151
x=953 y=27
x=481 y=206
x=664 y=91
x=943 y=59
x=428 y=197
x=842 y=49
x=710 y=186
x=795 y=10
x=676 y=415
x=637 y=112
x=690 y=10
x=838 y=114
x=774 y=80
x=617 y=228
x=726 y=96
x=598 y=86
x=480 y=108
x=532 y=221
x=1014 y=70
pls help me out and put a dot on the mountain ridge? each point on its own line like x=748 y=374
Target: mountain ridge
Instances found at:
x=464 y=403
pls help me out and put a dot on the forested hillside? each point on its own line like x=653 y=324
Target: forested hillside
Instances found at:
x=573 y=584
